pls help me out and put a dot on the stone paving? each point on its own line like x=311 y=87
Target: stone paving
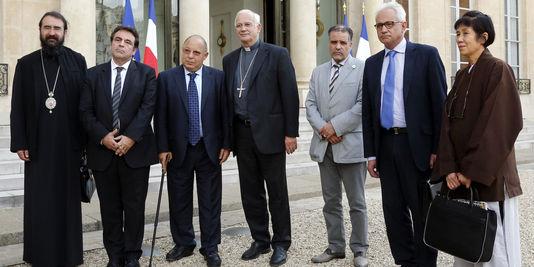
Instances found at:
x=309 y=235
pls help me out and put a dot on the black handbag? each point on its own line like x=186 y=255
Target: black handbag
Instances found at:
x=462 y=228
x=87 y=181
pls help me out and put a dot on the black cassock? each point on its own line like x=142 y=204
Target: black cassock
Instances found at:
x=52 y=209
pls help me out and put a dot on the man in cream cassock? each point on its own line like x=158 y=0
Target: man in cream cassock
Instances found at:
x=334 y=110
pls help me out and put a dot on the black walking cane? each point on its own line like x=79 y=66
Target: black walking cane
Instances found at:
x=157 y=217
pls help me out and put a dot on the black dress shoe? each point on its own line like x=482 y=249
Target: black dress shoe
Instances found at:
x=212 y=259
x=255 y=250
x=132 y=263
x=279 y=256
x=178 y=252
x=114 y=263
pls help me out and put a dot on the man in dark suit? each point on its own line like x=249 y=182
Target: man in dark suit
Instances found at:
x=193 y=136
x=117 y=105
x=403 y=92
x=262 y=90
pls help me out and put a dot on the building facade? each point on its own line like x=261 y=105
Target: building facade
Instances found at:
x=299 y=25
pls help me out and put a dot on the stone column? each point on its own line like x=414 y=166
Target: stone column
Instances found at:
x=194 y=19
x=370 y=13
x=81 y=34
x=302 y=42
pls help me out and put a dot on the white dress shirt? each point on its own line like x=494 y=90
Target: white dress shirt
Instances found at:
x=198 y=82
x=114 y=73
x=399 y=119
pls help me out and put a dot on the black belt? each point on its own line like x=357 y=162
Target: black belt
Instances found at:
x=395 y=130
x=246 y=123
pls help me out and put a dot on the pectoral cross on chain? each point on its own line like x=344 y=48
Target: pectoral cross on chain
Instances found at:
x=240 y=89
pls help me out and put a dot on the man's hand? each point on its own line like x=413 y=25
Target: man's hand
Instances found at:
x=371 y=168
x=24 y=155
x=124 y=145
x=433 y=158
x=109 y=141
x=291 y=144
x=164 y=158
x=334 y=139
x=327 y=131
x=223 y=155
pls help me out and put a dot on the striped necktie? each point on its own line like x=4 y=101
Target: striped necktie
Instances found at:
x=334 y=77
x=116 y=98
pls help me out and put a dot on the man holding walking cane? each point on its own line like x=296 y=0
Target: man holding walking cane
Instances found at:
x=193 y=137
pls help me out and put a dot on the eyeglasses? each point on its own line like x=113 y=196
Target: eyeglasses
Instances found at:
x=451 y=114
x=388 y=24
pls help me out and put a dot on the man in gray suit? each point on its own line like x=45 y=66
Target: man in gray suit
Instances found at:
x=334 y=110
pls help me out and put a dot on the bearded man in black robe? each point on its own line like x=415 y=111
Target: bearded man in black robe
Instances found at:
x=46 y=134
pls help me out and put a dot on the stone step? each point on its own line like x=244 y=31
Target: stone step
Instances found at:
x=6 y=154
x=5 y=141
x=12 y=178
x=12 y=193
x=5 y=130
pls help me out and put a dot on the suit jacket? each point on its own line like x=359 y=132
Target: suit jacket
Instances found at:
x=27 y=99
x=137 y=103
x=171 y=118
x=424 y=90
x=342 y=107
x=272 y=99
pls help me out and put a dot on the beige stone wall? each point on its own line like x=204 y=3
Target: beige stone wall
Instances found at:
x=20 y=36
x=81 y=35
x=526 y=38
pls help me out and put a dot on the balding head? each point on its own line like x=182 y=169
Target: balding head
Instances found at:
x=196 y=37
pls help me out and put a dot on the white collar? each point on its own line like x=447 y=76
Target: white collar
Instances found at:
x=198 y=72
x=115 y=65
x=400 y=48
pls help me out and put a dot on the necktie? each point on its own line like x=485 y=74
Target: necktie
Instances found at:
x=194 y=116
x=334 y=77
x=116 y=98
x=386 y=114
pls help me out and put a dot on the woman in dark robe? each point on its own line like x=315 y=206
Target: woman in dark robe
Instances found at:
x=481 y=121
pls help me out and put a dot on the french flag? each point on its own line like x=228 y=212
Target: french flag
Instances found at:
x=364 y=50
x=128 y=20
x=151 y=46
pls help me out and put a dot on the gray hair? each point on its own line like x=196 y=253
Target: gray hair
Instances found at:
x=399 y=10
x=196 y=36
x=255 y=16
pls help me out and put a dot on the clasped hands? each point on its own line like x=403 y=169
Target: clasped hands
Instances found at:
x=455 y=179
x=119 y=144
x=329 y=133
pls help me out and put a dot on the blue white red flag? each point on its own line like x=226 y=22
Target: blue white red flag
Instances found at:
x=128 y=20
x=151 y=46
x=364 y=50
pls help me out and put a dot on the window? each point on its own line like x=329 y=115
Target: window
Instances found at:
x=511 y=18
x=458 y=9
x=109 y=15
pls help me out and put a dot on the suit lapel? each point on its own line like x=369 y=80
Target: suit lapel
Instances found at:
x=132 y=72
x=263 y=53
x=232 y=65
x=409 y=65
x=181 y=85
x=206 y=86
x=105 y=82
x=344 y=72
x=377 y=78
